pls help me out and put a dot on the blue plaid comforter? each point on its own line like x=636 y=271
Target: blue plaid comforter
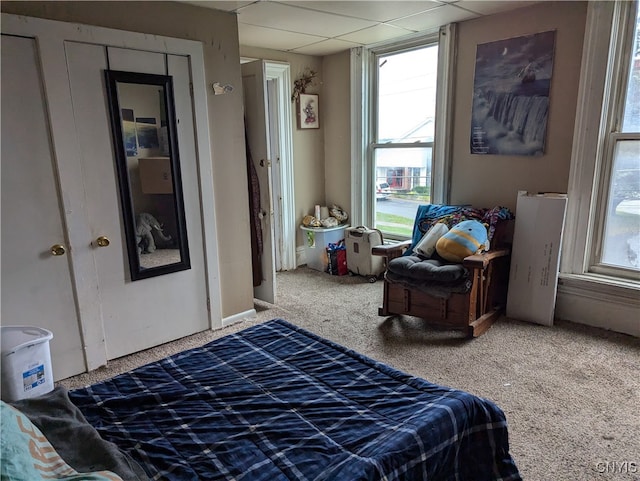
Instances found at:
x=275 y=402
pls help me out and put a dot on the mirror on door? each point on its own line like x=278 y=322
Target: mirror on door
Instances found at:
x=147 y=159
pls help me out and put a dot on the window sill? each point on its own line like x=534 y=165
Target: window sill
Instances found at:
x=598 y=286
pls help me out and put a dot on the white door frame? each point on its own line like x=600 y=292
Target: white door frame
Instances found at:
x=50 y=36
x=285 y=240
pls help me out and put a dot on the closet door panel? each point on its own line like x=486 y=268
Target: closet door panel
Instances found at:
x=141 y=314
x=138 y=61
x=178 y=68
x=36 y=285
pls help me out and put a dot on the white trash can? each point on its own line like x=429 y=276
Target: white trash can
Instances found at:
x=26 y=362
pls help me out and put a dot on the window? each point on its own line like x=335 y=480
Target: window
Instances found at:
x=600 y=245
x=395 y=108
x=403 y=94
x=616 y=239
x=595 y=289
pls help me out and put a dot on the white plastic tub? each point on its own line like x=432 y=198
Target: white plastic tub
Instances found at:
x=26 y=362
x=317 y=240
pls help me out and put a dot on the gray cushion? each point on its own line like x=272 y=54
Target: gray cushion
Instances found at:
x=419 y=269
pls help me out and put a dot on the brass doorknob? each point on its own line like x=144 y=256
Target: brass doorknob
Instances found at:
x=102 y=241
x=57 y=250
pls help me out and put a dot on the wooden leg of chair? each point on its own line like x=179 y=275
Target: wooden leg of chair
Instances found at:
x=483 y=323
x=384 y=311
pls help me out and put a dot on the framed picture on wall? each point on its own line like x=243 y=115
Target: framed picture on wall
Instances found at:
x=511 y=95
x=308 y=117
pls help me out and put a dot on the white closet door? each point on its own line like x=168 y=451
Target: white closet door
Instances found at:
x=36 y=286
x=141 y=314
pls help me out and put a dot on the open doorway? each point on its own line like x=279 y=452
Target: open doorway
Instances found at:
x=267 y=101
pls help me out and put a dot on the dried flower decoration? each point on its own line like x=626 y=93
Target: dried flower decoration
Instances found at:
x=300 y=85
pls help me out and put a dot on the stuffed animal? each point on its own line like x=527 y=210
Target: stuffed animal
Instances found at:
x=463 y=239
x=339 y=213
x=329 y=222
x=146 y=227
x=310 y=221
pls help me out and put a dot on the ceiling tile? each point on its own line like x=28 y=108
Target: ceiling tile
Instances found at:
x=379 y=33
x=379 y=11
x=254 y=36
x=228 y=6
x=434 y=18
x=488 y=7
x=301 y=20
x=326 y=47
x=296 y=24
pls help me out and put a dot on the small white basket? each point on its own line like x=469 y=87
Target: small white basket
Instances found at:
x=26 y=362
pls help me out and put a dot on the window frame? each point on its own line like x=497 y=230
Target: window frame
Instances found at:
x=364 y=118
x=601 y=99
x=617 y=81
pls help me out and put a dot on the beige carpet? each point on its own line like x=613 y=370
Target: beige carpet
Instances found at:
x=571 y=393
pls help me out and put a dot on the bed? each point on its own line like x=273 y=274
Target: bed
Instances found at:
x=276 y=402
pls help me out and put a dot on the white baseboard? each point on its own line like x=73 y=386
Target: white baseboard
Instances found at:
x=250 y=313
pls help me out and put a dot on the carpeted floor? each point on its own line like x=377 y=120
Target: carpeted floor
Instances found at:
x=571 y=393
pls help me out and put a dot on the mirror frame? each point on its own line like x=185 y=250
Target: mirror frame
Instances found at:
x=113 y=77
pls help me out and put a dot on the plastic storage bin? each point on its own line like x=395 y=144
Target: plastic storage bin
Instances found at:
x=26 y=362
x=317 y=240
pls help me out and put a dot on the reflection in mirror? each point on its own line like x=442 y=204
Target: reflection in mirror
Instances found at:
x=145 y=140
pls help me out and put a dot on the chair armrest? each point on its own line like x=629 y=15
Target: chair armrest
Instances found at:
x=391 y=251
x=481 y=261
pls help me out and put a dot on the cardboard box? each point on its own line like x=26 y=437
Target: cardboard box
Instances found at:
x=155 y=175
x=535 y=257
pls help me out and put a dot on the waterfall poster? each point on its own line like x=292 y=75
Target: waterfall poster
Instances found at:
x=511 y=95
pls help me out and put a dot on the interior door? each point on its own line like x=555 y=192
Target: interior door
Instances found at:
x=254 y=85
x=141 y=314
x=276 y=181
x=36 y=285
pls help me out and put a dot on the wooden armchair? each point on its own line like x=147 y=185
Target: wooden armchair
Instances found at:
x=473 y=310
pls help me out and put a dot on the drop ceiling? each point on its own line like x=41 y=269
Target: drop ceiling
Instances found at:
x=327 y=27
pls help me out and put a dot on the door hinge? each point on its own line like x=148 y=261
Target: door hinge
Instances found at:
x=191 y=88
x=209 y=304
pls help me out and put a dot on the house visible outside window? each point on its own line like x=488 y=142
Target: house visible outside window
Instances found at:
x=616 y=239
x=403 y=94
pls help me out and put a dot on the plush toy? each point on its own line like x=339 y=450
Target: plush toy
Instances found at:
x=148 y=233
x=329 y=222
x=339 y=213
x=463 y=239
x=310 y=221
